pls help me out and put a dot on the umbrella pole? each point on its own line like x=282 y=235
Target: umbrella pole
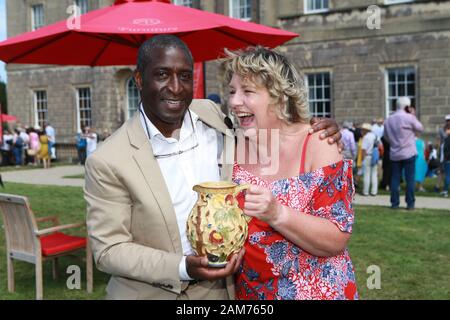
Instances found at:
x=204 y=79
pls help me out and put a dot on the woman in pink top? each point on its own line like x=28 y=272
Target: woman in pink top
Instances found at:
x=34 y=144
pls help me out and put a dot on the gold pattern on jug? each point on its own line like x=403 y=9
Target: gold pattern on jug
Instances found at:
x=216 y=226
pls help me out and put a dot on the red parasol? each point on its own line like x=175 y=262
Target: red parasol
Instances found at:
x=112 y=35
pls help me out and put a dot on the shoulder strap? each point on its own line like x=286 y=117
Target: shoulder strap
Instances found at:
x=302 y=161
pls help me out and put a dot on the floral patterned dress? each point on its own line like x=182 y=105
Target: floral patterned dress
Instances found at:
x=274 y=268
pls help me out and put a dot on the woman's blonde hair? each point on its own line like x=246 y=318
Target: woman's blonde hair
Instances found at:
x=272 y=70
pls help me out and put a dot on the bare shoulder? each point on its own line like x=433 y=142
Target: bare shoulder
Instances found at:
x=320 y=153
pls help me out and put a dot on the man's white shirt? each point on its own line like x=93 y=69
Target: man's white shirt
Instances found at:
x=50 y=131
x=368 y=142
x=181 y=172
x=91 y=143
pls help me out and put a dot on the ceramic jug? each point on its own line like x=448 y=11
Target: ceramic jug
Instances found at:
x=216 y=226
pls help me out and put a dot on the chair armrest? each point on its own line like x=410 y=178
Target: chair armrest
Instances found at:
x=59 y=228
x=55 y=219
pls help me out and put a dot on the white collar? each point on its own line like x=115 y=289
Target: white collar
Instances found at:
x=186 y=129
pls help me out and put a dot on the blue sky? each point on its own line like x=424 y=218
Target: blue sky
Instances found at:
x=2 y=35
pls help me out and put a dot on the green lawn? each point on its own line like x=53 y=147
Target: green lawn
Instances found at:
x=412 y=250
x=68 y=204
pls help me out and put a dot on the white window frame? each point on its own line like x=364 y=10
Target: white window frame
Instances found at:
x=397 y=1
x=323 y=99
x=77 y=96
x=386 y=83
x=37 y=102
x=306 y=10
x=128 y=111
x=232 y=7
x=184 y=3
x=34 y=21
x=84 y=7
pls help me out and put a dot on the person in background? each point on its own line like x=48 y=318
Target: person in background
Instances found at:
x=50 y=132
x=432 y=160
x=370 y=172
x=441 y=170
x=359 y=171
x=356 y=129
x=43 y=150
x=26 y=143
x=386 y=166
x=446 y=158
x=34 y=145
x=348 y=139
x=378 y=128
x=400 y=131
x=91 y=139
x=7 y=147
x=17 y=148
x=428 y=150
x=29 y=158
x=421 y=164
x=81 y=144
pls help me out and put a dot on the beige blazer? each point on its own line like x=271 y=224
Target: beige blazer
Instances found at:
x=131 y=222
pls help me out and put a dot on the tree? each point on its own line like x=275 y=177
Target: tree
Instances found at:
x=3 y=101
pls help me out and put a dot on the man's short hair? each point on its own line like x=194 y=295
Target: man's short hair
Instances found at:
x=160 y=41
x=403 y=102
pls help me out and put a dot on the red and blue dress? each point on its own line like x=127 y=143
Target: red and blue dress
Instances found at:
x=274 y=268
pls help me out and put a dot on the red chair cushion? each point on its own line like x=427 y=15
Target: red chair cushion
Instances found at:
x=59 y=242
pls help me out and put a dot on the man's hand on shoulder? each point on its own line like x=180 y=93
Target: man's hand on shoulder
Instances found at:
x=331 y=130
x=198 y=269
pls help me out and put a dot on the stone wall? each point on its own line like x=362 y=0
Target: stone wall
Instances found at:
x=413 y=34
x=107 y=84
x=358 y=73
x=107 y=96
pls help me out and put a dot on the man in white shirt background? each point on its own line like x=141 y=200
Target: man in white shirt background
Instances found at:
x=91 y=140
x=6 y=148
x=370 y=171
x=50 y=132
x=378 y=128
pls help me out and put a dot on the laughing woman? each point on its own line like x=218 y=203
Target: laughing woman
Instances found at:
x=300 y=201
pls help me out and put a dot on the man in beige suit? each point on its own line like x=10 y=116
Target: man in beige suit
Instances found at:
x=139 y=184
